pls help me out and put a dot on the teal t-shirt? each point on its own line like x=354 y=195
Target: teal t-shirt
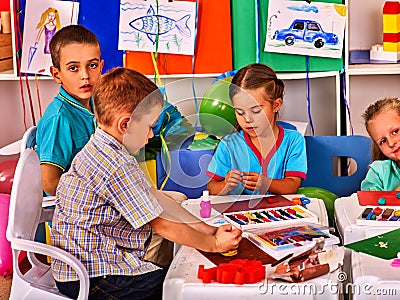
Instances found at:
x=383 y=175
x=66 y=126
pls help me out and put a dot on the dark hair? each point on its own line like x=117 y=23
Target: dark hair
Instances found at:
x=122 y=90
x=71 y=34
x=388 y=103
x=255 y=76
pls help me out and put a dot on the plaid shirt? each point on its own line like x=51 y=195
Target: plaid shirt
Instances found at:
x=103 y=206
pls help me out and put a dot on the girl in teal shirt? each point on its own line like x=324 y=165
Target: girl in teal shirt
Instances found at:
x=382 y=121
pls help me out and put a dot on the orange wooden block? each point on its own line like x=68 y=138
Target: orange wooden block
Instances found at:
x=213 y=51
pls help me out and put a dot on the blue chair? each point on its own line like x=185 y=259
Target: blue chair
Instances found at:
x=187 y=170
x=320 y=153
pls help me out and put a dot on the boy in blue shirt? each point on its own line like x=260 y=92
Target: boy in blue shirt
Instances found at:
x=106 y=208
x=68 y=121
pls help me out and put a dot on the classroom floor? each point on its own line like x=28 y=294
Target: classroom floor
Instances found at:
x=5 y=283
x=5 y=288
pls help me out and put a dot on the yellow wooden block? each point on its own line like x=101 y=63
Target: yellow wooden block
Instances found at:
x=391 y=23
x=391 y=47
x=149 y=167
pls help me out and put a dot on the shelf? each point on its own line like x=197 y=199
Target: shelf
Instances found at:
x=374 y=69
x=11 y=76
x=284 y=76
x=302 y=75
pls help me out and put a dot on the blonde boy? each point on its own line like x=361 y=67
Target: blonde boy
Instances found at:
x=105 y=207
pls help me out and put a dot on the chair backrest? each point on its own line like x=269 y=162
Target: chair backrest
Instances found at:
x=26 y=197
x=187 y=170
x=25 y=213
x=28 y=139
x=320 y=153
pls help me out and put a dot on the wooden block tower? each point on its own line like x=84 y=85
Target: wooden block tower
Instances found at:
x=390 y=50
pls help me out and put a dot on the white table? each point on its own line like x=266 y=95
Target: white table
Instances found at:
x=347 y=210
x=181 y=281
x=372 y=278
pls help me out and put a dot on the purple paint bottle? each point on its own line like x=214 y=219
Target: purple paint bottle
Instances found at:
x=205 y=205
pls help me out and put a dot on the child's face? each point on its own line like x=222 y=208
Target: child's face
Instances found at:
x=384 y=129
x=254 y=114
x=140 y=131
x=80 y=69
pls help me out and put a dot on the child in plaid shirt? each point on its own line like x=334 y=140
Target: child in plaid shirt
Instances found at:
x=105 y=207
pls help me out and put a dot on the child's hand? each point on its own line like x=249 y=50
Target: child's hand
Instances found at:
x=255 y=182
x=232 y=179
x=397 y=188
x=227 y=238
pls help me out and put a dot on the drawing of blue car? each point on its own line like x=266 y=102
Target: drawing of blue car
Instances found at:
x=306 y=31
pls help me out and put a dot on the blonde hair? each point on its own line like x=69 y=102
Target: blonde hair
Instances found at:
x=44 y=17
x=388 y=103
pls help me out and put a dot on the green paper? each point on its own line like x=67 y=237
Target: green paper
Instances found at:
x=207 y=143
x=385 y=245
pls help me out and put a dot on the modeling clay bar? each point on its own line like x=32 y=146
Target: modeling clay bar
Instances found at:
x=270 y=217
x=380 y=216
x=366 y=212
x=387 y=213
x=293 y=239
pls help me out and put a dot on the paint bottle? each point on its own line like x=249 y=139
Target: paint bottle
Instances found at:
x=205 y=205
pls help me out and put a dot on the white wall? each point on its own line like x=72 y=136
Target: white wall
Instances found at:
x=11 y=112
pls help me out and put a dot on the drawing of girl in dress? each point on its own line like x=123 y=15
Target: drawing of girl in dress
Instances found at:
x=49 y=23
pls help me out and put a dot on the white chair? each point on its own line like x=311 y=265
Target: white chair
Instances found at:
x=28 y=139
x=25 y=214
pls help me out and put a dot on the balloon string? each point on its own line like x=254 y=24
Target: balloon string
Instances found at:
x=157 y=74
x=343 y=75
x=17 y=50
x=38 y=95
x=165 y=153
x=258 y=46
x=308 y=95
x=196 y=104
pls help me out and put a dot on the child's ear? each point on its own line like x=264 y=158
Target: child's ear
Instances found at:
x=123 y=123
x=276 y=105
x=101 y=65
x=55 y=73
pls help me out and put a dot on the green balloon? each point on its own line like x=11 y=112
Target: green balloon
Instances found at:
x=323 y=194
x=216 y=112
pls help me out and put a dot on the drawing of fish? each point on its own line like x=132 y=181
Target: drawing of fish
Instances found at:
x=153 y=24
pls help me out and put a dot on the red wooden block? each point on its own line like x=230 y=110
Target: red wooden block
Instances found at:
x=391 y=37
x=391 y=8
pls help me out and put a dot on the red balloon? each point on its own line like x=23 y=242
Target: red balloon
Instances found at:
x=7 y=170
x=5 y=246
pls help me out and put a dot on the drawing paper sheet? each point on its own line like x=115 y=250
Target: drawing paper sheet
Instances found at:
x=385 y=245
x=143 y=22
x=42 y=19
x=312 y=35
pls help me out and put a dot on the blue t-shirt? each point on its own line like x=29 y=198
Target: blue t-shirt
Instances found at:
x=236 y=151
x=66 y=126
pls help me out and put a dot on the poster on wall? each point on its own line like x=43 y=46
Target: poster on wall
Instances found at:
x=42 y=20
x=150 y=26
x=297 y=27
